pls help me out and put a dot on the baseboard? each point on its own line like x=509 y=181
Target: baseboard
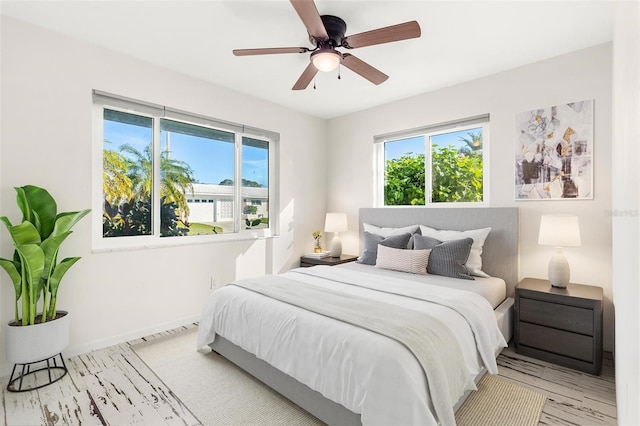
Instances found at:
x=5 y=369
x=75 y=350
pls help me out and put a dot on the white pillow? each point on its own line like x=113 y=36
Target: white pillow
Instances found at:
x=474 y=263
x=411 y=261
x=388 y=232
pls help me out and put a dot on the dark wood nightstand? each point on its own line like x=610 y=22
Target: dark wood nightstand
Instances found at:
x=331 y=261
x=559 y=325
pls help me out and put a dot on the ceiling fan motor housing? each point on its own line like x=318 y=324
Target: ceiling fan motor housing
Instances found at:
x=336 y=29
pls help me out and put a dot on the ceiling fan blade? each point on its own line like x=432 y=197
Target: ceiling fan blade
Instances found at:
x=383 y=35
x=305 y=78
x=364 y=69
x=308 y=13
x=269 y=51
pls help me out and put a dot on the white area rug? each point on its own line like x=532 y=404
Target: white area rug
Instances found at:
x=216 y=391
x=219 y=393
x=500 y=402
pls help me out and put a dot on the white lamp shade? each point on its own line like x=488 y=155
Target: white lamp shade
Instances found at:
x=559 y=230
x=335 y=222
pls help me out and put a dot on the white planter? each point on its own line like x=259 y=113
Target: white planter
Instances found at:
x=33 y=343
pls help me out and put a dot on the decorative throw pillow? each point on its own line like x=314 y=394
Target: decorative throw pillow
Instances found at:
x=371 y=241
x=447 y=258
x=388 y=232
x=411 y=261
x=474 y=263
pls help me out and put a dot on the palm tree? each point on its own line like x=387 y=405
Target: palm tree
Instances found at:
x=474 y=142
x=116 y=185
x=176 y=178
x=139 y=170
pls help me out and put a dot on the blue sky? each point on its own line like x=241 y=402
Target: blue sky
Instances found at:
x=203 y=155
x=211 y=161
x=415 y=145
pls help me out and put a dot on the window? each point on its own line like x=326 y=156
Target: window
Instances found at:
x=440 y=164
x=255 y=178
x=164 y=173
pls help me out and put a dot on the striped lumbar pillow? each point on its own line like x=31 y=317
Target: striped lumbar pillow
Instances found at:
x=447 y=258
x=412 y=261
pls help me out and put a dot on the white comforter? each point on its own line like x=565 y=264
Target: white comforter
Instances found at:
x=368 y=373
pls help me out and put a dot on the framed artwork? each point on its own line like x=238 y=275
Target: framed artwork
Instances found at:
x=554 y=152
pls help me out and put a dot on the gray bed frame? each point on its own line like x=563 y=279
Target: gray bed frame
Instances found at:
x=499 y=258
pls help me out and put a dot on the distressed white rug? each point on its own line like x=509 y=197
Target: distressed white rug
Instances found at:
x=219 y=393
x=215 y=390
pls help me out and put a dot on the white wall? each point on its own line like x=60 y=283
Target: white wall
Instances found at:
x=626 y=208
x=47 y=81
x=585 y=74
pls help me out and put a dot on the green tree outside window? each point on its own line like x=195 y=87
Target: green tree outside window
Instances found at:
x=456 y=175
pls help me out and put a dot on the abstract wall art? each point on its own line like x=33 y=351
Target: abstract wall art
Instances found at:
x=554 y=152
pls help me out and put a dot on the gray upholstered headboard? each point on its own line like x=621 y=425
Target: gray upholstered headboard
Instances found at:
x=500 y=250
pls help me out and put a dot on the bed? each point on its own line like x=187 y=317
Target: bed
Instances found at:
x=344 y=373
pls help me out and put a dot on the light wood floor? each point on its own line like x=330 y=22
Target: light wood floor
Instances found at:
x=113 y=386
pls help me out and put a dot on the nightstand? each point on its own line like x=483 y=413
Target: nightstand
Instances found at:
x=331 y=261
x=559 y=325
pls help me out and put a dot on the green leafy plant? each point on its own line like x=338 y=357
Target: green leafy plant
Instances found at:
x=34 y=270
x=404 y=181
x=169 y=220
x=134 y=218
x=456 y=177
x=127 y=183
x=250 y=223
x=249 y=209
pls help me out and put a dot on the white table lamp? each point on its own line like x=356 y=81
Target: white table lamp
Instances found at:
x=336 y=223
x=559 y=230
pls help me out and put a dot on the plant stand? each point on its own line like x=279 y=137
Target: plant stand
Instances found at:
x=53 y=374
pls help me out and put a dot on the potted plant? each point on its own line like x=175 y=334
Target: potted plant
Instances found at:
x=251 y=220
x=38 y=331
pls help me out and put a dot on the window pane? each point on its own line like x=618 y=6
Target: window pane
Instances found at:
x=255 y=183
x=456 y=164
x=196 y=180
x=404 y=178
x=126 y=174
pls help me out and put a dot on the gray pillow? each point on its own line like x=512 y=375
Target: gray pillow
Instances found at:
x=447 y=258
x=371 y=241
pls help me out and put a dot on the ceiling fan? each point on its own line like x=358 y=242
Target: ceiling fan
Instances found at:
x=327 y=32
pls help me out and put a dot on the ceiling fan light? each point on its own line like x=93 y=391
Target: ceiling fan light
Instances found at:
x=326 y=60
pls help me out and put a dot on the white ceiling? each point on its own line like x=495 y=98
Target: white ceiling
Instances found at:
x=460 y=41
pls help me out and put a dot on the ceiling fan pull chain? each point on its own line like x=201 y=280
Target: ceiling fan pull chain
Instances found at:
x=339 y=72
x=314 y=83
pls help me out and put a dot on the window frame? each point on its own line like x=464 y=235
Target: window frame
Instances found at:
x=103 y=101
x=426 y=132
